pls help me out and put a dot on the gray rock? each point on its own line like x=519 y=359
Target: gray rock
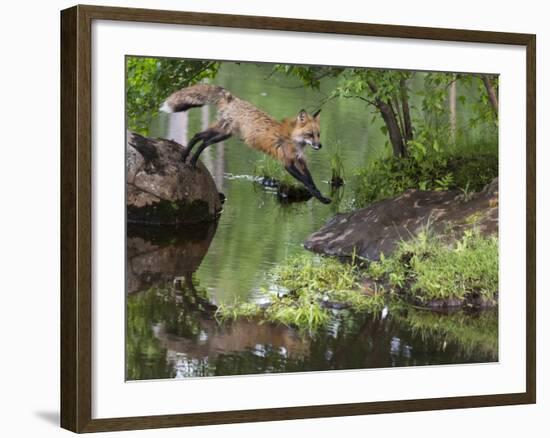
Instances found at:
x=379 y=227
x=161 y=190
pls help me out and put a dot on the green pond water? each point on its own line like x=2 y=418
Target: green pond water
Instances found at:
x=175 y=278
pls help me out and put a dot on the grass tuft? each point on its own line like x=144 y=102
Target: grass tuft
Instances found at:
x=428 y=268
x=314 y=284
x=270 y=169
x=337 y=167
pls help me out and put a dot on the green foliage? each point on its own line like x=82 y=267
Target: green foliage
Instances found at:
x=435 y=91
x=482 y=110
x=428 y=268
x=434 y=123
x=426 y=167
x=370 y=85
x=374 y=86
x=364 y=83
x=151 y=80
x=310 y=76
x=473 y=172
x=391 y=87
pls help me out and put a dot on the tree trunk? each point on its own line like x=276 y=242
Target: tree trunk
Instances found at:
x=491 y=93
x=394 y=132
x=452 y=110
x=406 y=110
x=396 y=106
x=390 y=119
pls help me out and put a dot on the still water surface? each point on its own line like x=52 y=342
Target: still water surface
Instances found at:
x=171 y=331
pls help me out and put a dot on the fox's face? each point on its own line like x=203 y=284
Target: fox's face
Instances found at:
x=307 y=130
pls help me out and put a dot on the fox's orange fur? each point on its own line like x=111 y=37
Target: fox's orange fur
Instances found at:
x=283 y=140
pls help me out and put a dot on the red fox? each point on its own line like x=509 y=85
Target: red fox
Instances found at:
x=284 y=140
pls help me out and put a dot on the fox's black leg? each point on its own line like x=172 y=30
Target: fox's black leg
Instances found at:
x=312 y=184
x=306 y=179
x=221 y=136
x=293 y=170
x=205 y=135
x=212 y=132
x=196 y=138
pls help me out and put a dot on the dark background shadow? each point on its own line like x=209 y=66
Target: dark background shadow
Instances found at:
x=51 y=417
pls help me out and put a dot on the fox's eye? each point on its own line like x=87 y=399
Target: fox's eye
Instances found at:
x=310 y=134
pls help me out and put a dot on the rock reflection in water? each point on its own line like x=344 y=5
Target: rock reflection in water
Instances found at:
x=156 y=256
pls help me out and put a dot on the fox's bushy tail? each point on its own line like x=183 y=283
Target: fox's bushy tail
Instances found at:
x=193 y=97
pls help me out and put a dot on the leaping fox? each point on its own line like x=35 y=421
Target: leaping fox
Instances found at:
x=284 y=140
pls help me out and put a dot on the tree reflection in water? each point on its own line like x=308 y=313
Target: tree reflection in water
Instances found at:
x=173 y=333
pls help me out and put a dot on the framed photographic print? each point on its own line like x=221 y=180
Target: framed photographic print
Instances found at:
x=304 y=218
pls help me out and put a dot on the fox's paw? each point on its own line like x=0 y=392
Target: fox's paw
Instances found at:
x=325 y=200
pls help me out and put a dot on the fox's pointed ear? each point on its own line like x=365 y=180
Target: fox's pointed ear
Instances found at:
x=302 y=116
x=316 y=114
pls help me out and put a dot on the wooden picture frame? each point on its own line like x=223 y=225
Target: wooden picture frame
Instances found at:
x=76 y=218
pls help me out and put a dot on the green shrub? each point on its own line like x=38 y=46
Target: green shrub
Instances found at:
x=424 y=169
x=428 y=268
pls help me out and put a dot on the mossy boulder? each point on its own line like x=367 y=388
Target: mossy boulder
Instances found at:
x=162 y=190
x=378 y=228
